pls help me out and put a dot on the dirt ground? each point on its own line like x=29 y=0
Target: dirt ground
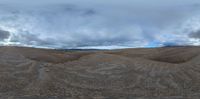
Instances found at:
x=153 y=73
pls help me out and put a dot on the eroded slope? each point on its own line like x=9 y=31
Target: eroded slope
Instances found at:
x=28 y=73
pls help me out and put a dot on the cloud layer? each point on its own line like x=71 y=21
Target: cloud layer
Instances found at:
x=78 y=24
x=4 y=35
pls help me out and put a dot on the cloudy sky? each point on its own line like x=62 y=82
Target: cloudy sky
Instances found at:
x=99 y=23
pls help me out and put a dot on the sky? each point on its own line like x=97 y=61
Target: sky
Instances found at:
x=101 y=24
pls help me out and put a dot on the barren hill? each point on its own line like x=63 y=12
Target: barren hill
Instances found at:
x=157 y=73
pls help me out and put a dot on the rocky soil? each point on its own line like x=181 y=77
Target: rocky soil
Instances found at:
x=159 y=73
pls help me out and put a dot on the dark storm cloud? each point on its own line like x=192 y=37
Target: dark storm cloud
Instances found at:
x=4 y=35
x=195 y=34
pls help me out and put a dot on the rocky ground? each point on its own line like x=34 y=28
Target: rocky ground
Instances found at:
x=160 y=73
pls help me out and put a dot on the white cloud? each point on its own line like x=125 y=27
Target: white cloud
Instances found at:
x=71 y=24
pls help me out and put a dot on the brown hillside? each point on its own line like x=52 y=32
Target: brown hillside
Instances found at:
x=159 y=73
